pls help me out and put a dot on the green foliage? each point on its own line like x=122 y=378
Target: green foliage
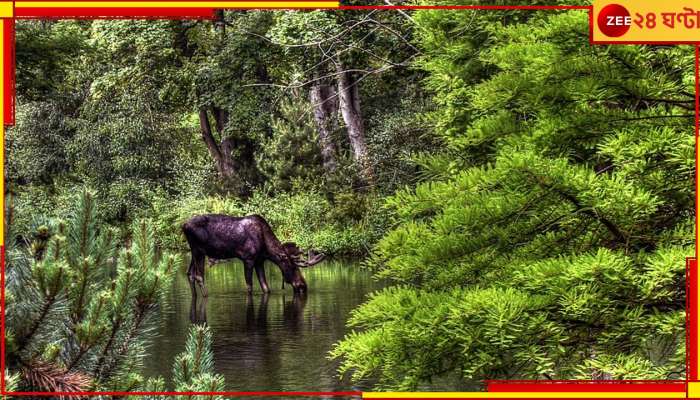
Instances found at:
x=111 y=119
x=45 y=51
x=550 y=237
x=398 y=133
x=36 y=144
x=474 y=331
x=28 y=205
x=129 y=143
x=193 y=369
x=78 y=309
x=377 y=46
x=120 y=113
x=238 y=52
x=292 y=152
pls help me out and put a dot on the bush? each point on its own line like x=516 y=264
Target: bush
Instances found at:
x=349 y=226
x=27 y=205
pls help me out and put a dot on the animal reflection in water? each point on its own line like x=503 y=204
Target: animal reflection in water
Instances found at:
x=292 y=312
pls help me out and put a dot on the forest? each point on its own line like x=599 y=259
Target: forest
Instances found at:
x=526 y=199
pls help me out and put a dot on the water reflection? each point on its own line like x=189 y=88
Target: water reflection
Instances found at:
x=256 y=321
x=198 y=310
x=275 y=342
x=292 y=312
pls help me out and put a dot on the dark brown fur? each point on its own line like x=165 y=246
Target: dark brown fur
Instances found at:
x=249 y=239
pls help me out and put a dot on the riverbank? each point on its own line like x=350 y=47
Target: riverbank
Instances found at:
x=346 y=226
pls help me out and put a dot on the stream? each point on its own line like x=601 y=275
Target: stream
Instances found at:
x=277 y=342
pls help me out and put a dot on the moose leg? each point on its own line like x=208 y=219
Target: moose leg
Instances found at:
x=191 y=271
x=260 y=271
x=198 y=260
x=248 y=269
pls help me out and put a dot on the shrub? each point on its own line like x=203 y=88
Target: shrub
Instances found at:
x=348 y=227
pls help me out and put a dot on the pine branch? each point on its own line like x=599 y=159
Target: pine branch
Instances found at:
x=78 y=357
x=52 y=378
x=50 y=301
x=107 y=371
x=107 y=348
x=77 y=313
x=621 y=237
x=617 y=233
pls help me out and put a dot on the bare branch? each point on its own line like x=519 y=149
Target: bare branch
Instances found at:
x=309 y=44
x=397 y=34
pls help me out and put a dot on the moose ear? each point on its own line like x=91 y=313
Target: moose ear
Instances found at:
x=292 y=251
x=291 y=248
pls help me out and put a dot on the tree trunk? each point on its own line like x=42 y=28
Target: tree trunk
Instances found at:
x=325 y=104
x=221 y=155
x=232 y=152
x=349 y=95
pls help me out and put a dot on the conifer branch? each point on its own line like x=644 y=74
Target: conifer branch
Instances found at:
x=50 y=300
x=621 y=237
x=52 y=378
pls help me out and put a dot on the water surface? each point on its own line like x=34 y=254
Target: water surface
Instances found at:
x=278 y=342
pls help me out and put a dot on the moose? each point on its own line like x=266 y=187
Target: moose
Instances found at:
x=249 y=239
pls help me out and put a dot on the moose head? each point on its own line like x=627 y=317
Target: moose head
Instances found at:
x=296 y=260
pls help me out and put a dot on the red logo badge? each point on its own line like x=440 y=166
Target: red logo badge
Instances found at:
x=614 y=20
